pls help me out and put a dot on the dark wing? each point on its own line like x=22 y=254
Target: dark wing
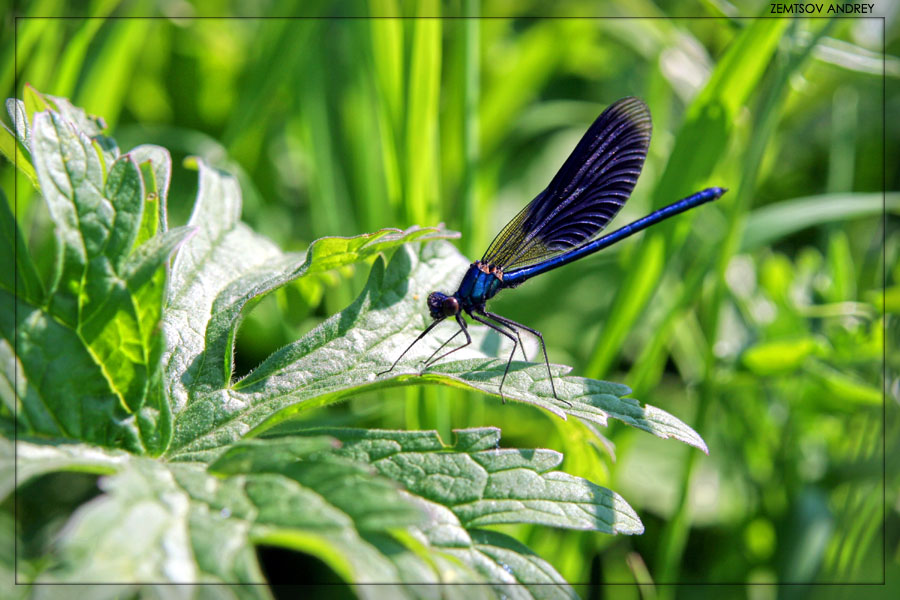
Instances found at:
x=586 y=193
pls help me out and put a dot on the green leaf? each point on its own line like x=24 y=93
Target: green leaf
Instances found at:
x=222 y=269
x=432 y=554
x=33 y=460
x=23 y=278
x=147 y=281
x=88 y=352
x=22 y=129
x=14 y=144
x=254 y=456
x=887 y=299
x=486 y=485
x=439 y=549
x=63 y=391
x=108 y=76
x=387 y=53
x=340 y=358
x=142 y=529
x=96 y=217
x=640 y=283
x=842 y=286
x=701 y=141
x=89 y=125
x=158 y=523
x=511 y=569
x=507 y=559
x=345 y=484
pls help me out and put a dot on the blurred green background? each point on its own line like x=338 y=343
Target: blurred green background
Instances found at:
x=759 y=320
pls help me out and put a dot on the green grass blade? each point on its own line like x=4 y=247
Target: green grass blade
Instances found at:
x=842 y=155
x=423 y=105
x=472 y=216
x=73 y=56
x=387 y=56
x=771 y=223
x=106 y=80
x=328 y=198
x=387 y=52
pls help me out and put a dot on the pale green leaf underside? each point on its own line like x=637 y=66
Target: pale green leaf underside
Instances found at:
x=226 y=266
x=159 y=523
x=177 y=523
x=486 y=485
x=341 y=357
x=511 y=568
x=14 y=143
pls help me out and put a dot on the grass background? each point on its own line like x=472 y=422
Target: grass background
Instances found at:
x=759 y=320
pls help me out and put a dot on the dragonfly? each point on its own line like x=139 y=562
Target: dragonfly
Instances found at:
x=559 y=226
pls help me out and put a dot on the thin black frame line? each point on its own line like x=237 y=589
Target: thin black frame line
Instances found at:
x=439 y=17
x=884 y=282
x=884 y=320
x=15 y=179
x=455 y=583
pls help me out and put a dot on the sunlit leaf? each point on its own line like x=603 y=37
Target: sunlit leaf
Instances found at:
x=487 y=485
x=340 y=358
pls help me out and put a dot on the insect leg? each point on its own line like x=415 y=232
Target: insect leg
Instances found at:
x=512 y=337
x=408 y=348
x=463 y=329
x=514 y=330
x=513 y=325
x=441 y=347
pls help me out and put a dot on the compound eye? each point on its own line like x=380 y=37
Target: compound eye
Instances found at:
x=450 y=306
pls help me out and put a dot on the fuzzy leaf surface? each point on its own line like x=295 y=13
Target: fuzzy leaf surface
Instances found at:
x=341 y=357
